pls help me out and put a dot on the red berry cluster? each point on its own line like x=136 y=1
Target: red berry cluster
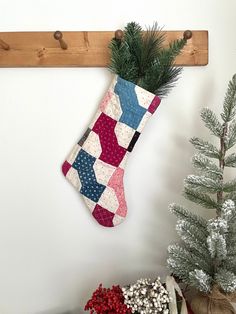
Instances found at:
x=107 y=301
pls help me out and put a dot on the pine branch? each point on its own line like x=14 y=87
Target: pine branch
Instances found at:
x=228 y=213
x=226 y=280
x=230 y=161
x=230 y=196
x=191 y=260
x=120 y=58
x=174 y=49
x=153 y=41
x=229 y=107
x=183 y=214
x=211 y=122
x=178 y=268
x=205 y=148
x=230 y=139
x=192 y=236
x=134 y=41
x=229 y=186
x=201 y=280
x=206 y=166
x=231 y=246
x=203 y=184
x=164 y=66
x=217 y=247
x=200 y=198
x=160 y=78
x=125 y=54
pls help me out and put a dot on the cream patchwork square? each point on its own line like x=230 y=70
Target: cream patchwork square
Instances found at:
x=124 y=134
x=144 y=97
x=113 y=109
x=73 y=154
x=108 y=200
x=95 y=118
x=103 y=171
x=117 y=220
x=124 y=160
x=91 y=204
x=92 y=145
x=143 y=121
x=73 y=177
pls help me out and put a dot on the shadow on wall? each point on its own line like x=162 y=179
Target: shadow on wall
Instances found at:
x=175 y=167
x=62 y=311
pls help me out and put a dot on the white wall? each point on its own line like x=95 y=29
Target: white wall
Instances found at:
x=52 y=253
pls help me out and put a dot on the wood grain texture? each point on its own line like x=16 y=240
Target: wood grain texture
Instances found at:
x=85 y=49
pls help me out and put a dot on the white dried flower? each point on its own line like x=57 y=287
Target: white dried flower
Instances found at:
x=147 y=297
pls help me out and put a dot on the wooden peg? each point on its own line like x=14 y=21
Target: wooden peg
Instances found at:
x=119 y=34
x=187 y=34
x=4 y=45
x=58 y=36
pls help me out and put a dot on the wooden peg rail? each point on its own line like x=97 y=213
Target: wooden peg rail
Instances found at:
x=82 y=49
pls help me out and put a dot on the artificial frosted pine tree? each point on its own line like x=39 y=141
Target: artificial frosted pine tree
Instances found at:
x=206 y=258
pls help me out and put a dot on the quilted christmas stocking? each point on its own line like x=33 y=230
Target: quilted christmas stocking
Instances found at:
x=95 y=166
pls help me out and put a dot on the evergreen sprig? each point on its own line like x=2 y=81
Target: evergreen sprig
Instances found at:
x=142 y=59
x=229 y=107
x=230 y=196
x=229 y=186
x=230 y=160
x=199 y=198
x=207 y=256
x=230 y=139
x=203 y=183
x=206 y=166
x=211 y=121
x=183 y=214
x=205 y=148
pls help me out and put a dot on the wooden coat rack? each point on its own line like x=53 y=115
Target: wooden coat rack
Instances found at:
x=84 y=49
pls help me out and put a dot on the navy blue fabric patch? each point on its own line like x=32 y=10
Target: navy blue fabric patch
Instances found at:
x=90 y=187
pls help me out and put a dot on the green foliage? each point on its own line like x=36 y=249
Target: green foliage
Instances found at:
x=230 y=160
x=229 y=186
x=230 y=140
x=205 y=148
x=206 y=166
x=199 y=278
x=183 y=214
x=226 y=280
x=199 y=198
x=141 y=58
x=190 y=259
x=207 y=256
x=229 y=107
x=203 y=184
x=211 y=122
x=192 y=236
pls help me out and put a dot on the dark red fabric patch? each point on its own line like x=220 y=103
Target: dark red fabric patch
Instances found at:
x=65 y=167
x=112 y=152
x=154 y=104
x=103 y=216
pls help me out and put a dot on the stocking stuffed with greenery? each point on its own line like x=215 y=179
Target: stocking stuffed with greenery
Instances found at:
x=206 y=259
x=143 y=69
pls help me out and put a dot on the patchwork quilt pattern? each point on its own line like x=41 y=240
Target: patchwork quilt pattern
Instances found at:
x=95 y=166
